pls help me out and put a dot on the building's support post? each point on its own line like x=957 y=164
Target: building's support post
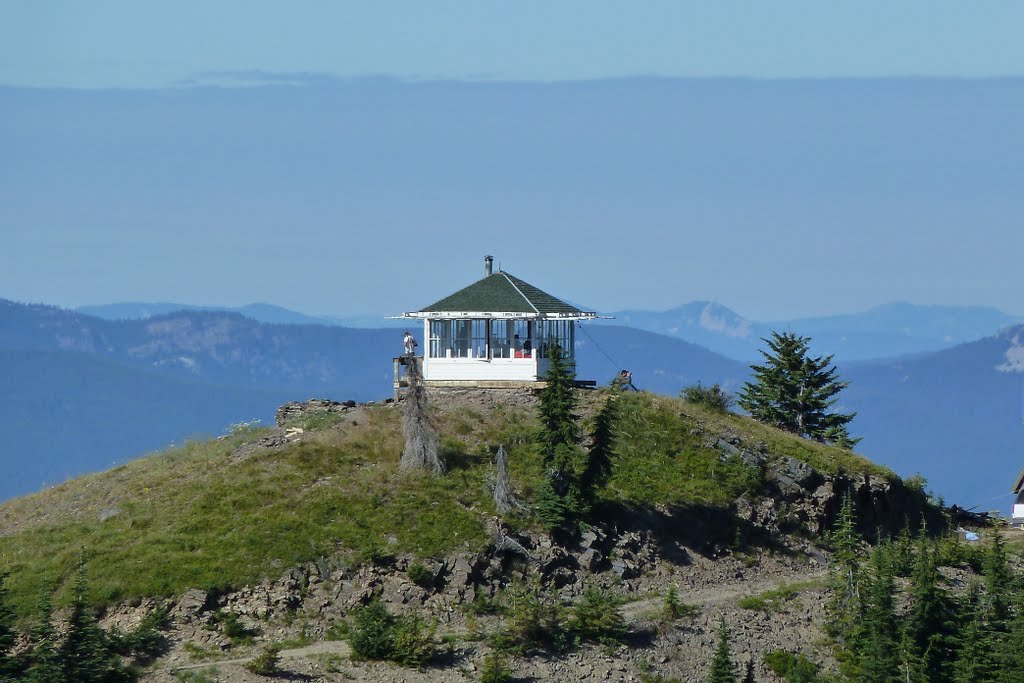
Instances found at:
x=398 y=379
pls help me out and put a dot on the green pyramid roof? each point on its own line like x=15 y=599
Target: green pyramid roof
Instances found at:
x=504 y=293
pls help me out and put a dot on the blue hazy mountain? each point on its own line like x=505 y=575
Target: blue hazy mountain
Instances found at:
x=214 y=346
x=890 y=330
x=264 y=313
x=896 y=329
x=65 y=413
x=658 y=363
x=953 y=415
x=81 y=392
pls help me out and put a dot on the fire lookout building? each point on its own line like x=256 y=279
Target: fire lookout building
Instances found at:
x=497 y=333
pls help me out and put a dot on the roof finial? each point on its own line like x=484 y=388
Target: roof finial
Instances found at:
x=488 y=263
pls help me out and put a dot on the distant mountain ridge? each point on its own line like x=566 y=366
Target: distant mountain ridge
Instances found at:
x=71 y=381
x=79 y=392
x=214 y=346
x=885 y=331
x=264 y=313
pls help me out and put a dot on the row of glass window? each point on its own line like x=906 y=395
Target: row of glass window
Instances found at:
x=483 y=339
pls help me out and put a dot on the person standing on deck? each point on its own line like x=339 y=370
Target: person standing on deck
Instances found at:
x=409 y=343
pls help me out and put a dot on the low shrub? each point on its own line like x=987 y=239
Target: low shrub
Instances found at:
x=373 y=634
x=195 y=676
x=267 y=662
x=420 y=575
x=495 y=669
x=378 y=634
x=199 y=653
x=338 y=631
x=674 y=608
x=596 y=618
x=482 y=605
x=738 y=476
x=657 y=678
x=415 y=641
x=951 y=551
x=232 y=628
x=145 y=641
x=769 y=601
x=534 y=622
x=795 y=668
x=714 y=397
x=320 y=419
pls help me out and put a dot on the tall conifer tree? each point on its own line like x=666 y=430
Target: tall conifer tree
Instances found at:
x=998 y=584
x=794 y=391
x=561 y=500
x=723 y=669
x=1009 y=656
x=748 y=672
x=879 y=638
x=930 y=620
x=974 y=661
x=601 y=454
x=44 y=660
x=7 y=635
x=85 y=653
x=844 y=574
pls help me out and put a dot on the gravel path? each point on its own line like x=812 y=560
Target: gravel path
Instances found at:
x=713 y=595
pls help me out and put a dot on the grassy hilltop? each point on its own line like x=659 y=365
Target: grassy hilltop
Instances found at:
x=227 y=512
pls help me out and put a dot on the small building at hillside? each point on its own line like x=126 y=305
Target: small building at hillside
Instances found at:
x=496 y=333
x=1018 y=503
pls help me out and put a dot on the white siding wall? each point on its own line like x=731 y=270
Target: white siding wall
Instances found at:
x=518 y=369
x=1018 y=510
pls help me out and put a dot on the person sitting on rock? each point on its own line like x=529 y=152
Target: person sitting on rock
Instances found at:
x=626 y=380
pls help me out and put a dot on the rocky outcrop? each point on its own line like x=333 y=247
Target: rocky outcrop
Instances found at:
x=295 y=411
x=798 y=498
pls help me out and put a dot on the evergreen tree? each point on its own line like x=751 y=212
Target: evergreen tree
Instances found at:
x=879 y=636
x=794 y=391
x=844 y=574
x=44 y=660
x=998 y=584
x=911 y=664
x=85 y=653
x=601 y=454
x=974 y=661
x=930 y=620
x=7 y=635
x=561 y=500
x=558 y=406
x=1009 y=656
x=748 y=673
x=723 y=670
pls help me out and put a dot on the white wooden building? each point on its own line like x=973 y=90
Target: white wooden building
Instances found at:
x=1018 y=502
x=495 y=333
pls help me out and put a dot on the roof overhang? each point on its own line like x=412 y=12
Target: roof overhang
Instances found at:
x=499 y=315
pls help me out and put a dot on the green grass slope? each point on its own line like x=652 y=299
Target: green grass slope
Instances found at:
x=223 y=513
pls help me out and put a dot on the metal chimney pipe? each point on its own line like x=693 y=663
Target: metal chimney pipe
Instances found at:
x=488 y=264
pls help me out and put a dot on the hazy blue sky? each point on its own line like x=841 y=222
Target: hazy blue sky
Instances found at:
x=343 y=194
x=141 y=44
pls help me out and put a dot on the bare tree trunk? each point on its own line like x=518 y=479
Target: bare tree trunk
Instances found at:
x=503 y=498
x=422 y=445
